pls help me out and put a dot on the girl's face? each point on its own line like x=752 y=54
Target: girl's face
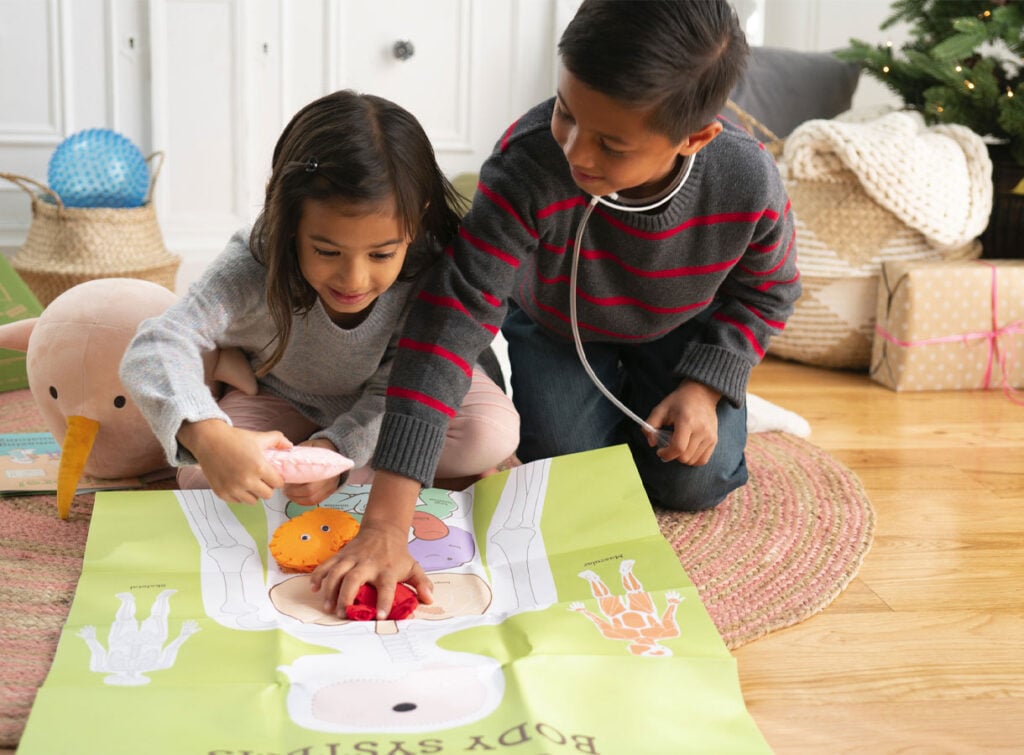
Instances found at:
x=350 y=254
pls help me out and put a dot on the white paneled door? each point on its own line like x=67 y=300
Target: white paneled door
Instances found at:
x=211 y=83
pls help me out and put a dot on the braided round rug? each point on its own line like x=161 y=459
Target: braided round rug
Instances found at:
x=782 y=547
x=775 y=552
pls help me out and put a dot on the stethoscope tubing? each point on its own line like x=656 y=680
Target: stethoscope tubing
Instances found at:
x=662 y=436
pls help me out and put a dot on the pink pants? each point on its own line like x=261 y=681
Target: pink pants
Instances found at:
x=483 y=434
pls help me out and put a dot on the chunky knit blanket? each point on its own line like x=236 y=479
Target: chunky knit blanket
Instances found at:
x=936 y=179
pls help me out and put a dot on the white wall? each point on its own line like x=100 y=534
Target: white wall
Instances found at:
x=210 y=83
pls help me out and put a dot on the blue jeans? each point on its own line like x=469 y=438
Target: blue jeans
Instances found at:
x=563 y=412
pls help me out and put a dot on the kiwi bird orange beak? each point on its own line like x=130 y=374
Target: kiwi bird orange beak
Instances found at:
x=78 y=442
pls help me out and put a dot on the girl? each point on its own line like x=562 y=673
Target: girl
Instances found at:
x=356 y=212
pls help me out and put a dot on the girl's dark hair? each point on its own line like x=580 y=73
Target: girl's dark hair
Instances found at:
x=681 y=58
x=353 y=148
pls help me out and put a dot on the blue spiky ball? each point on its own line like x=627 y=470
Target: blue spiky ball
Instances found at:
x=98 y=168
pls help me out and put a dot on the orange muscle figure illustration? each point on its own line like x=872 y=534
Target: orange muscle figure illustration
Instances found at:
x=631 y=617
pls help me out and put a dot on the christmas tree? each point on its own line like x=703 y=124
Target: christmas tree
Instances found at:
x=963 y=64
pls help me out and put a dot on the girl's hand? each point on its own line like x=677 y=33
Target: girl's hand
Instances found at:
x=311 y=493
x=378 y=554
x=691 y=411
x=232 y=459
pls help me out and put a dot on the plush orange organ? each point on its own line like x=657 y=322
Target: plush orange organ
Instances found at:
x=302 y=543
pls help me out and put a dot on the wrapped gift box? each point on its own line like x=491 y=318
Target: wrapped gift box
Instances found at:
x=950 y=326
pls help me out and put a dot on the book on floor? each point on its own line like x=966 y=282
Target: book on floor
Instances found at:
x=29 y=463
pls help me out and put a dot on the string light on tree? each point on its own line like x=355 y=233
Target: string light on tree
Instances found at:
x=963 y=63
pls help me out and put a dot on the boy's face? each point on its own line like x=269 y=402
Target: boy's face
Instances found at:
x=609 y=147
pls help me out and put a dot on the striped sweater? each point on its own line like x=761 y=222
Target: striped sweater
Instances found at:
x=727 y=237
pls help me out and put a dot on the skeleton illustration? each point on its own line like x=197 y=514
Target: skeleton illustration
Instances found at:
x=631 y=617
x=133 y=648
x=384 y=676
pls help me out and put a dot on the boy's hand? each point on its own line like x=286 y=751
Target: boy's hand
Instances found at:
x=311 y=493
x=379 y=554
x=691 y=412
x=232 y=459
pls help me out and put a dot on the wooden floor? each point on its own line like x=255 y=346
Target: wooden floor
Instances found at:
x=924 y=651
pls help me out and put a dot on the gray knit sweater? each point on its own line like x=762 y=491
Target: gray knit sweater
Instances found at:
x=726 y=237
x=335 y=377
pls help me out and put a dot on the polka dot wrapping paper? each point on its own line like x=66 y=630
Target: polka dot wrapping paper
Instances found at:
x=950 y=326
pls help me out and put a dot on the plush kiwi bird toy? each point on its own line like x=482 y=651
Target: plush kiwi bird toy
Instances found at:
x=73 y=351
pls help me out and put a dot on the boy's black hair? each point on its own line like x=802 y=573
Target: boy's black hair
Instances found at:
x=681 y=58
x=357 y=149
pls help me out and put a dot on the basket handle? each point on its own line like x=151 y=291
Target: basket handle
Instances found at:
x=21 y=182
x=158 y=156
x=755 y=127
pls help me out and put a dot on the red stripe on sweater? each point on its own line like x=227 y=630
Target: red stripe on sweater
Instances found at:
x=675 y=272
x=443 y=301
x=777 y=324
x=483 y=246
x=768 y=285
x=421 y=398
x=747 y=332
x=490 y=298
x=779 y=264
x=764 y=247
x=508 y=134
x=559 y=206
x=433 y=348
x=557 y=313
x=705 y=220
x=451 y=303
x=503 y=204
x=619 y=301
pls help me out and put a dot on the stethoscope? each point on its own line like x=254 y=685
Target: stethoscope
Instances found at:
x=614 y=201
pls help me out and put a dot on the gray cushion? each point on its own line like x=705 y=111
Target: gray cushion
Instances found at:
x=783 y=88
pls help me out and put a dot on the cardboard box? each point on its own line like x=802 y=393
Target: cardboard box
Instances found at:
x=950 y=325
x=17 y=302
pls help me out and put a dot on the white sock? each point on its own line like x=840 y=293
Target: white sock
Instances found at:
x=764 y=416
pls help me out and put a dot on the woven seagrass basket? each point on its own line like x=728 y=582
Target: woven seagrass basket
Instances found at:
x=66 y=246
x=843 y=237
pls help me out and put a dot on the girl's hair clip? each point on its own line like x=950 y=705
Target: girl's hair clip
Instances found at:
x=312 y=165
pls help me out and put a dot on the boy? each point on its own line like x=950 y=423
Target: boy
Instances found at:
x=683 y=277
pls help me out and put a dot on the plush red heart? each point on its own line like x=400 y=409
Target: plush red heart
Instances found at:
x=364 y=607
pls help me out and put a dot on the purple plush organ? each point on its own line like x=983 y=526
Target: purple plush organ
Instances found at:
x=448 y=552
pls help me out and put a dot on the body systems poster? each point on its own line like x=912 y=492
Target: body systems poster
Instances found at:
x=562 y=622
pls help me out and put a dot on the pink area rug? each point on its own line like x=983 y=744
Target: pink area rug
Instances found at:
x=774 y=553
x=779 y=549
